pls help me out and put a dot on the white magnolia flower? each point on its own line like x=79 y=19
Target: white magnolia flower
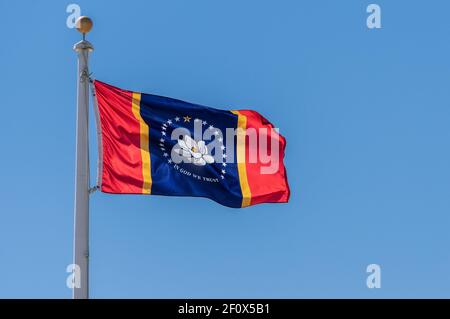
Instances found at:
x=196 y=153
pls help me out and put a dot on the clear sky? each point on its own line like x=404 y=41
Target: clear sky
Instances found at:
x=366 y=116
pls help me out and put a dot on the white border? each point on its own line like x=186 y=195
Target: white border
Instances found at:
x=99 y=136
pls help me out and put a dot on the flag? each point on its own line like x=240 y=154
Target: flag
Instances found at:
x=151 y=144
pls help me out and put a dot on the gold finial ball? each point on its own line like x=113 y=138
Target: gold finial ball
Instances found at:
x=84 y=24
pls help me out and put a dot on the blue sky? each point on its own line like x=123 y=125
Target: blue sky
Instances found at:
x=366 y=117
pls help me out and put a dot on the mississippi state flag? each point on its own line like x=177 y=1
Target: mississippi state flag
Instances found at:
x=151 y=144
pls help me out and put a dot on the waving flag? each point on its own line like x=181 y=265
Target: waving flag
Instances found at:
x=150 y=144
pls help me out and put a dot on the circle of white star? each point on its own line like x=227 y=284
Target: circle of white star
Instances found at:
x=165 y=139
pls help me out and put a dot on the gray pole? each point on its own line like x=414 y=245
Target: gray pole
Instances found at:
x=81 y=223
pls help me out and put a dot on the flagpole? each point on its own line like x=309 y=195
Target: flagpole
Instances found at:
x=81 y=209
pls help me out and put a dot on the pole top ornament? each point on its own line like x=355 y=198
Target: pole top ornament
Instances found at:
x=84 y=24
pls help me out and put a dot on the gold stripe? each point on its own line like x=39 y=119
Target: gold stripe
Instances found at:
x=144 y=138
x=242 y=169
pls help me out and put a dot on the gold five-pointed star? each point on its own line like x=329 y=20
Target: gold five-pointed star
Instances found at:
x=187 y=118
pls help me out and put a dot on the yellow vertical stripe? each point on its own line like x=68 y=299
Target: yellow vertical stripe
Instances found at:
x=144 y=138
x=242 y=169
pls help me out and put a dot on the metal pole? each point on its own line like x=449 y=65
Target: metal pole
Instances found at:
x=81 y=223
